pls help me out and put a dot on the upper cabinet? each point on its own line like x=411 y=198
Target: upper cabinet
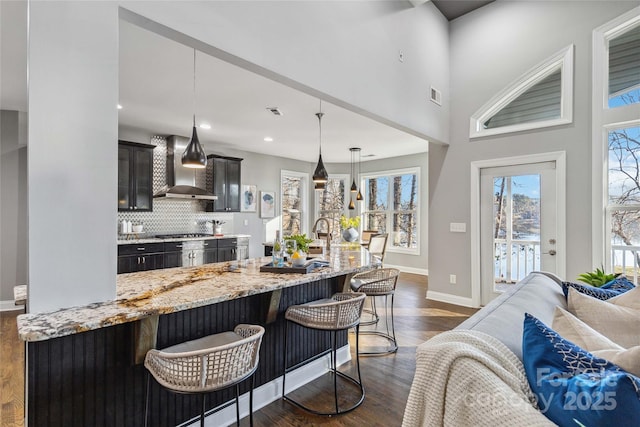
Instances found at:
x=225 y=183
x=135 y=177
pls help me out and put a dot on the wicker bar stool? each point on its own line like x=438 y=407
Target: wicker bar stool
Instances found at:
x=377 y=283
x=208 y=364
x=340 y=312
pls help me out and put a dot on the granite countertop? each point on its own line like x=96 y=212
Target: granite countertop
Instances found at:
x=133 y=239
x=154 y=292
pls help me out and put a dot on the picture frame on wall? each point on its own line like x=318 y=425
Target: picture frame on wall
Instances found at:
x=267 y=204
x=249 y=200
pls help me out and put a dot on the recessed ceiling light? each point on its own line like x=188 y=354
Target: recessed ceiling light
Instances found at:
x=119 y=107
x=205 y=126
x=268 y=139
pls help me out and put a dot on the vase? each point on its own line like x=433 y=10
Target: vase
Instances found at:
x=350 y=234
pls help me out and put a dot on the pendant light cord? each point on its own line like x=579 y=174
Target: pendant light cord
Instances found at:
x=194 y=87
x=320 y=124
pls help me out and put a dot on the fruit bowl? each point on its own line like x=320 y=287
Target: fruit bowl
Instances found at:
x=299 y=260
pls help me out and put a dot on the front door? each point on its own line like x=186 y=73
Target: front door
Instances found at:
x=518 y=224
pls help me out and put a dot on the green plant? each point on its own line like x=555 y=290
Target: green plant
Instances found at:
x=597 y=277
x=349 y=222
x=302 y=241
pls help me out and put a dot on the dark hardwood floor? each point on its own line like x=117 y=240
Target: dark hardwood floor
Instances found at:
x=387 y=379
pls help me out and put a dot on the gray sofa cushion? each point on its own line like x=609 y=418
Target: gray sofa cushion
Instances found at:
x=538 y=294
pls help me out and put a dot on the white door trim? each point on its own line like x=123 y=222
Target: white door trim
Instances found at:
x=559 y=157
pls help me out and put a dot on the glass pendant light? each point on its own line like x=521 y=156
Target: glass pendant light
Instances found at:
x=194 y=156
x=320 y=176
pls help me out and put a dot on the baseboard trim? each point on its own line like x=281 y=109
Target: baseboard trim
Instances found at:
x=272 y=391
x=413 y=270
x=10 y=305
x=449 y=298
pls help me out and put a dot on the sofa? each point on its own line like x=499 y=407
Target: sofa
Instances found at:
x=474 y=375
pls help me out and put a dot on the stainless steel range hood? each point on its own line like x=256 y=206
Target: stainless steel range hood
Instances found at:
x=181 y=180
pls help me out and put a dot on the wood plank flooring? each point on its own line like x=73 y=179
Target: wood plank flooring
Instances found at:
x=387 y=379
x=11 y=372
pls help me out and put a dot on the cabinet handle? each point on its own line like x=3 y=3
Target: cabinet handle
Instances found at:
x=140 y=249
x=135 y=207
x=138 y=260
x=130 y=208
x=143 y=259
x=206 y=244
x=178 y=246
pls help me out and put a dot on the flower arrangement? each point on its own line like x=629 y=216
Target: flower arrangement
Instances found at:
x=353 y=222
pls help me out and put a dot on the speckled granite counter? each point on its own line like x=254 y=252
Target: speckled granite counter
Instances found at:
x=138 y=238
x=20 y=294
x=149 y=293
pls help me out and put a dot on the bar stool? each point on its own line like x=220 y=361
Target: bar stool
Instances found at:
x=376 y=283
x=340 y=312
x=208 y=364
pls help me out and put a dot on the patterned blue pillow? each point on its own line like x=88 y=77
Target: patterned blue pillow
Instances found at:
x=600 y=293
x=619 y=283
x=572 y=386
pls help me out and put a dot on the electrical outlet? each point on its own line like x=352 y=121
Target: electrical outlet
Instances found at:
x=246 y=222
x=400 y=56
x=452 y=279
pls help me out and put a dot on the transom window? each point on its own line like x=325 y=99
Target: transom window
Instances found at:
x=293 y=187
x=624 y=68
x=541 y=97
x=391 y=205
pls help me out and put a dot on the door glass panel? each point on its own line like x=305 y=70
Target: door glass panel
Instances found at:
x=516 y=232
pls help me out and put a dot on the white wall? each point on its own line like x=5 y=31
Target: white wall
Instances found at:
x=13 y=202
x=73 y=122
x=490 y=48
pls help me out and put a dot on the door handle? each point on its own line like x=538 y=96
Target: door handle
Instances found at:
x=552 y=252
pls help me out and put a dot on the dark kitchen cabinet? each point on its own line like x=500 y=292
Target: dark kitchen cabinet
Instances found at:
x=135 y=177
x=227 y=250
x=140 y=257
x=224 y=182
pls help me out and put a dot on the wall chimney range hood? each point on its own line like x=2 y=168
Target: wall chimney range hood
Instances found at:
x=181 y=180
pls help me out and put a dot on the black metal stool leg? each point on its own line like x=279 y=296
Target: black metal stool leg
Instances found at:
x=253 y=383
x=146 y=402
x=202 y=409
x=238 y=404
x=284 y=357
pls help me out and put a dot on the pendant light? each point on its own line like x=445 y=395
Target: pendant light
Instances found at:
x=359 y=196
x=194 y=156
x=320 y=176
x=354 y=188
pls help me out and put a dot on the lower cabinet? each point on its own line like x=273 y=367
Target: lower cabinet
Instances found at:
x=141 y=257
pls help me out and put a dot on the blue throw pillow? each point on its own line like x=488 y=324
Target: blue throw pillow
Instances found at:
x=619 y=283
x=600 y=293
x=572 y=386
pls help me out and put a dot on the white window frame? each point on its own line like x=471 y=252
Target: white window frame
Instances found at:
x=389 y=173
x=347 y=192
x=563 y=61
x=304 y=217
x=604 y=120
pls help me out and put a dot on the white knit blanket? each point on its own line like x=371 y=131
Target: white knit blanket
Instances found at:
x=468 y=378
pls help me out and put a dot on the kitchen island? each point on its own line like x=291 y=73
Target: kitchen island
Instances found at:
x=84 y=362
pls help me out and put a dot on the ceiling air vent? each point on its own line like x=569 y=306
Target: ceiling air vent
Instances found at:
x=435 y=95
x=275 y=111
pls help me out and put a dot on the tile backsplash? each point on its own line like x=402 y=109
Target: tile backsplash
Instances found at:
x=171 y=215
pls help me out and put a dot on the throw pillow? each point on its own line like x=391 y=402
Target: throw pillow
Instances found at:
x=573 y=387
x=620 y=282
x=629 y=299
x=600 y=293
x=618 y=323
x=575 y=330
